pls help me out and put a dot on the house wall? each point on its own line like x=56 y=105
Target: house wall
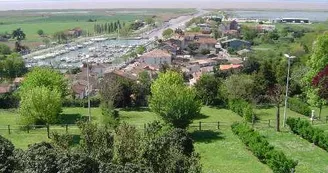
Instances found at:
x=157 y=61
x=99 y=71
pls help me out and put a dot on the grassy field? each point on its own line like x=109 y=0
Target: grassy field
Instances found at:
x=51 y=21
x=220 y=150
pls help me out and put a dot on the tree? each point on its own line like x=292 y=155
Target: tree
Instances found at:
x=76 y=162
x=207 y=89
x=167 y=33
x=60 y=36
x=49 y=78
x=192 y=47
x=251 y=65
x=275 y=94
x=18 y=34
x=248 y=33
x=140 y=49
x=125 y=32
x=4 y=49
x=40 y=105
x=46 y=41
x=173 y=101
x=12 y=66
x=40 y=32
x=7 y=160
x=239 y=87
x=149 y=20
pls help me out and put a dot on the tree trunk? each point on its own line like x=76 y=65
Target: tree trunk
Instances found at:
x=278 y=118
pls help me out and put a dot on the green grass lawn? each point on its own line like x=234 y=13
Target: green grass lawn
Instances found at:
x=220 y=150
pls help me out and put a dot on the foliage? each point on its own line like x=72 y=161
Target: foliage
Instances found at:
x=127 y=144
x=248 y=33
x=96 y=142
x=60 y=36
x=205 y=51
x=12 y=66
x=242 y=108
x=171 y=152
x=62 y=141
x=207 y=88
x=45 y=77
x=70 y=102
x=40 y=32
x=4 y=49
x=167 y=33
x=308 y=132
x=250 y=66
x=299 y=106
x=40 y=104
x=76 y=162
x=149 y=20
x=9 y=100
x=192 y=47
x=261 y=148
x=18 y=34
x=239 y=87
x=40 y=158
x=196 y=20
x=173 y=101
x=140 y=49
x=7 y=160
x=127 y=168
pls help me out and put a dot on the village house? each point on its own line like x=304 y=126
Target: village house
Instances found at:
x=230 y=66
x=156 y=57
x=263 y=28
x=233 y=25
x=236 y=44
x=98 y=69
x=76 y=32
x=206 y=43
x=204 y=62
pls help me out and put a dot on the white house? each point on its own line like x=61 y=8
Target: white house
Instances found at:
x=156 y=57
x=99 y=69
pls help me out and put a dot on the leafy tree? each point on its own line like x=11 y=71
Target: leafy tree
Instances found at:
x=60 y=36
x=239 y=87
x=18 y=34
x=192 y=47
x=12 y=66
x=4 y=49
x=7 y=160
x=149 y=20
x=251 y=65
x=127 y=144
x=45 y=77
x=40 y=105
x=96 y=142
x=46 y=41
x=248 y=33
x=76 y=162
x=173 y=101
x=40 y=158
x=40 y=32
x=125 y=32
x=207 y=89
x=275 y=94
x=167 y=33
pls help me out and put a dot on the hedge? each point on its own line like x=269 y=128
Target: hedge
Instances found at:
x=304 y=129
x=299 y=106
x=261 y=148
x=242 y=108
x=94 y=102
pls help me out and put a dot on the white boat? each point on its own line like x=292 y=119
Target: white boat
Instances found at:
x=79 y=46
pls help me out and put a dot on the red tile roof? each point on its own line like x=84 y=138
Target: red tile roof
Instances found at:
x=231 y=66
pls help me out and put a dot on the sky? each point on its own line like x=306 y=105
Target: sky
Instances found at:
x=85 y=4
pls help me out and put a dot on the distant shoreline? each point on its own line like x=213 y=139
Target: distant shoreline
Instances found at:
x=144 y=4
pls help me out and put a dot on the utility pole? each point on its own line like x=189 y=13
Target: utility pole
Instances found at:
x=287 y=87
x=88 y=93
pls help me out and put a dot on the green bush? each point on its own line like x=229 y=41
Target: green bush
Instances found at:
x=304 y=129
x=242 y=108
x=298 y=106
x=261 y=148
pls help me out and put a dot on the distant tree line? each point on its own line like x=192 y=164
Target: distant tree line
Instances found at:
x=108 y=27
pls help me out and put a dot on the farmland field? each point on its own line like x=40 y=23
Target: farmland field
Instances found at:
x=51 y=21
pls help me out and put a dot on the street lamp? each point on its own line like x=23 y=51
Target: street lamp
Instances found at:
x=287 y=86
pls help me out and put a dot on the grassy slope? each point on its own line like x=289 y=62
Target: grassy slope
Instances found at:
x=310 y=157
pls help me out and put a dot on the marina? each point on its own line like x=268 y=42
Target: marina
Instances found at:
x=97 y=50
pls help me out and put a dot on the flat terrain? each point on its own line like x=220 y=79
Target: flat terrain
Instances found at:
x=220 y=150
x=51 y=21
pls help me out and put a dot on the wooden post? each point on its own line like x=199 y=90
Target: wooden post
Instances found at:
x=9 y=129
x=326 y=119
x=218 y=125
x=200 y=125
x=269 y=123
x=66 y=128
x=48 y=131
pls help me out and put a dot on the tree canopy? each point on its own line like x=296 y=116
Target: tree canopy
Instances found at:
x=46 y=77
x=173 y=101
x=167 y=33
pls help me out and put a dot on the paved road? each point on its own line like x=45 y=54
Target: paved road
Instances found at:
x=174 y=23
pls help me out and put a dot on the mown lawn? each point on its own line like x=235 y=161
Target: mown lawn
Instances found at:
x=220 y=150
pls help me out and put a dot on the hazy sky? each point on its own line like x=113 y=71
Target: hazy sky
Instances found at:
x=84 y=4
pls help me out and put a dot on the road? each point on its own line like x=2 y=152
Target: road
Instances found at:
x=173 y=24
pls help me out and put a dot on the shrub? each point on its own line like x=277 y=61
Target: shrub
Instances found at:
x=261 y=148
x=6 y=156
x=298 y=106
x=242 y=108
x=304 y=129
